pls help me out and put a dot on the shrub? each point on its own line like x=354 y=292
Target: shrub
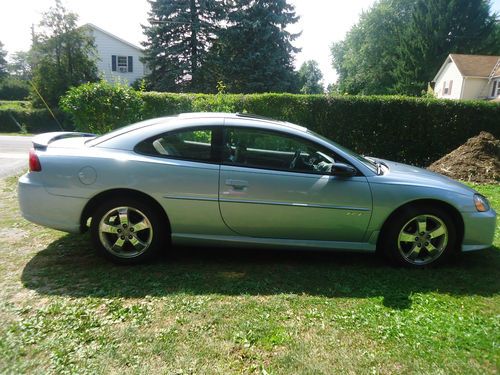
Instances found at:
x=14 y=89
x=411 y=130
x=101 y=107
x=31 y=120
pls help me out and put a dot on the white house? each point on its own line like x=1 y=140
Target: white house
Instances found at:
x=468 y=77
x=118 y=60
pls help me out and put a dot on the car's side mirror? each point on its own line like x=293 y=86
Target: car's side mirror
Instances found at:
x=344 y=170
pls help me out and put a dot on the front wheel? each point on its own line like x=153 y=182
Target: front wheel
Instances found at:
x=128 y=231
x=419 y=237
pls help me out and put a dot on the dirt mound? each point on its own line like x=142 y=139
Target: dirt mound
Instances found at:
x=477 y=160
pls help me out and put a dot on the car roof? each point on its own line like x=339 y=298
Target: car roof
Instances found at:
x=238 y=115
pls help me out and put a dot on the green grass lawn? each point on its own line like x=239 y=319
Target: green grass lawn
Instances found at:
x=207 y=311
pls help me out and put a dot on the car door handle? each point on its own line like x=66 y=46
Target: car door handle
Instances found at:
x=237 y=184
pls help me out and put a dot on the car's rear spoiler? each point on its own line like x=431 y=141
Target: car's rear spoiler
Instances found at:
x=40 y=142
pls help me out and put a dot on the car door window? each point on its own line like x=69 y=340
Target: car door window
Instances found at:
x=196 y=144
x=258 y=148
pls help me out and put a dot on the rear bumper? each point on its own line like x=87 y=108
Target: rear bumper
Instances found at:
x=53 y=211
x=479 y=230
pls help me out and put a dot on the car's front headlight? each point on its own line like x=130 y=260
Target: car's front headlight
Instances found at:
x=481 y=203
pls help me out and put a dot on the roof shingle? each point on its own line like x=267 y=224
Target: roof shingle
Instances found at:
x=475 y=65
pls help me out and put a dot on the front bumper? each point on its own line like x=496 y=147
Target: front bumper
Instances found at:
x=479 y=230
x=53 y=211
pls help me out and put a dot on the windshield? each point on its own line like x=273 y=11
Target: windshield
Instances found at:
x=369 y=163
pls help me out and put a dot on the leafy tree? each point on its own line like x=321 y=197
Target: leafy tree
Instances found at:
x=3 y=62
x=398 y=45
x=63 y=55
x=310 y=77
x=179 y=38
x=20 y=65
x=13 y=88
x=437 y=28
x=494 y=38
x=332 y=89
x=254 y=53
x=366 y=58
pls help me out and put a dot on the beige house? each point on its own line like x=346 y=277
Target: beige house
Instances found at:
x=468 y=77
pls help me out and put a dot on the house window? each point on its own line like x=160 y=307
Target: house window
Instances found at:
x=496 y=89
x=122 y=64
x=447 y=85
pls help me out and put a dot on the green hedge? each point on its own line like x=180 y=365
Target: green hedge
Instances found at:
x=411 y=130
x=32 y=120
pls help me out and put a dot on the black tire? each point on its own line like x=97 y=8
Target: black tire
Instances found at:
x=137 y=239
x=426 y=248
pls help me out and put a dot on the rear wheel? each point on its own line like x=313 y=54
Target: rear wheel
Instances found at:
x=419 y=237
x=128 y=231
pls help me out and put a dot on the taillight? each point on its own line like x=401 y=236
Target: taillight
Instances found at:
x=34 y=162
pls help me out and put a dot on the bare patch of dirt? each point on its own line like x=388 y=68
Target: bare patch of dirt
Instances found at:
x=12 y=235
x=477 y=160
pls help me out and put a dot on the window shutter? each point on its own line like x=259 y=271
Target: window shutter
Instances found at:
x=449 y=89
x=113 y=63
x=130 y=65
x=494 y=91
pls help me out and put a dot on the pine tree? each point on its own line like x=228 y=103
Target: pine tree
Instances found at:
x=254 y=53
x=178 y=41
x=438 y=28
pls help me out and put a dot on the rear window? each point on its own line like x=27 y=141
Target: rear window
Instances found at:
x=194 y=144
x=123 y=130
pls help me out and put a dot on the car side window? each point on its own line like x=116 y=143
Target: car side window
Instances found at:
x=189 y=144
x=258 y=148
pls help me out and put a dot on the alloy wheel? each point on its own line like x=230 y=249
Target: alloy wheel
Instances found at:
x=423 y=239
x=125 y=232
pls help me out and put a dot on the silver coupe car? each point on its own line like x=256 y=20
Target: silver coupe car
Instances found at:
x=241 y=180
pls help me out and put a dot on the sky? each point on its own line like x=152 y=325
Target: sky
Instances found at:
x=322 y=22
